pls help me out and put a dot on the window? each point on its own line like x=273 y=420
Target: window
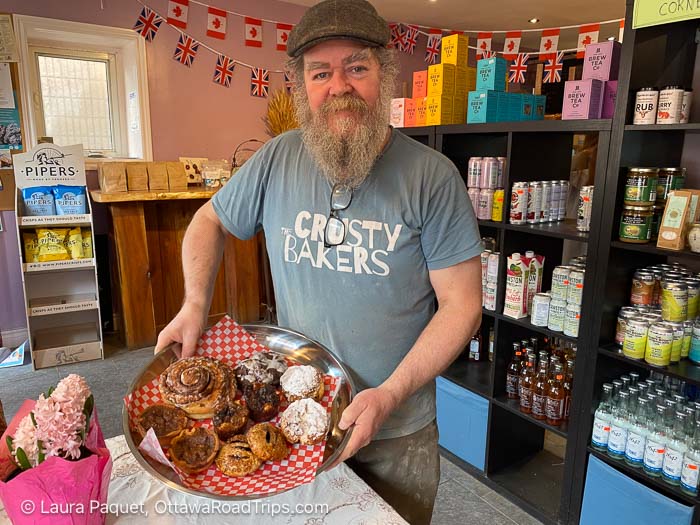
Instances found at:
x=85 y=84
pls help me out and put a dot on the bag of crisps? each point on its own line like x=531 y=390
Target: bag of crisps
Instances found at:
x=51 y=244
x=74 y=243
x=87 y=244
x=31 y=247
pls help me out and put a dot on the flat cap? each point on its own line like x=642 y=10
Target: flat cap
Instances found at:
x=338 y=19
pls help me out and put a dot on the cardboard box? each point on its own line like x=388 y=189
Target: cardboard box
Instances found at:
x=609 y=98
x=482 y=106
x=491 y=74
x=459 y=109
x=602 y=60
x=540 y=106
x=137 y=176
x=510 y=108
x=455 y=50
x=420 y=84
x=157 y=176
x=583 y=99
x=471 y=79
x=441 y=80
x=674 y=221
x=527 y=106
x=410 y=115
x=461 y=82
x=112 y=177
x=438 y=110
x=398 y=112
x=421 y=111
x=177 y=177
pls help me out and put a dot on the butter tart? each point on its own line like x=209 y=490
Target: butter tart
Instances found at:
x=231 y=420
x=166 y=421
x=193 y=450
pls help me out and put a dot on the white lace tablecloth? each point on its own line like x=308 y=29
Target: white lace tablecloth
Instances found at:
x=335 y=497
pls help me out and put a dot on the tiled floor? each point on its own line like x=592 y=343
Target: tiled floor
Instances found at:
x=461 y=499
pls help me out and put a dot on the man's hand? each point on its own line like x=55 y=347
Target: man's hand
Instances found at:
x=364 y=416
x=185 y=328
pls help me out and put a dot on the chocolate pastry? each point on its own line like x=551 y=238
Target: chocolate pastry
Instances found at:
x=167 y=422
x=231 y=420
x=300 y=382
x=236 y=458
x=267 y=442
x=305 y=421
x=262 y=400
x=194 y=450
x=263 y=367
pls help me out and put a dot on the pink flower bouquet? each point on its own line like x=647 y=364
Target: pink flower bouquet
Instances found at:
x=65 y=466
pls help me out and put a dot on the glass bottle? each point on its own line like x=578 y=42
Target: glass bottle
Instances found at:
x=513 y=373
x=634 y=376
x=637 y=434
x=626 y=381
x=568 y=387
x=539 y=394
x=617 y=387
x=601 y=420
x=619 y=427
x=656 y=443
x=492 y=343
x=691 y=463
x=527 y=384
x=534 y=344
x=475 y=347
x=556 y=397
x=676 y=445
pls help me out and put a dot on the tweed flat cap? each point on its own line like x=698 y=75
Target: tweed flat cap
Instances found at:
x=338 y=19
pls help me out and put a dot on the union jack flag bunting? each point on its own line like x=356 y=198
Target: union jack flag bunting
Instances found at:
x=489 y=53
x=186 y=50
x=223 y=72
x=553 y=69
x=411 y=39
x=147 y=24
x=259 y=82
x=518 y=69
x=432 y=49
x=395 y=33
x=401 y=37
x=288 y=82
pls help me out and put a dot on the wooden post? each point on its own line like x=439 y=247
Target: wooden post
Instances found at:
x=538 y=79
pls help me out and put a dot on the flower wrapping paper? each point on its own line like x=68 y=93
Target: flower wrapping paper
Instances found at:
x=59 y=491
x=230 y=343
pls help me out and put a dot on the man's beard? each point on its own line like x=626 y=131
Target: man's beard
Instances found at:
x=347 y=153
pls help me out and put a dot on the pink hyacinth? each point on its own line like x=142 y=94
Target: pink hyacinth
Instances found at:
x=25 y=438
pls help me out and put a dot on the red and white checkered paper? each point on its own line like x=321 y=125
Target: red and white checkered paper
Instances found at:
x=229 y=342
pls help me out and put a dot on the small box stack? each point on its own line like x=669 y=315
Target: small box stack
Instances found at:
x=594 y=96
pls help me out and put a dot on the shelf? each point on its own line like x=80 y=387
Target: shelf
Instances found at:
x=475 y=376
x=652 y=249
x=55 y=220
x=513 y=405
x=54 y=266
x=691 y=128
x=684 y=370
x=561 y=230
x=490 y=224
x=536 y=480
x=525 y=322
x=528 y=126
x=417 y=131
x=489 y=313
x=62 y=304
x=639 y=475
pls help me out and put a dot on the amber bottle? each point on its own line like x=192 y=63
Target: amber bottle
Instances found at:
x=513 y=373
x=527 y=384
x=539 y=395
x=556 y=397
x=568 y=387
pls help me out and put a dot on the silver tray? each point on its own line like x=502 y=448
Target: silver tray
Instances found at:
x=283 y=341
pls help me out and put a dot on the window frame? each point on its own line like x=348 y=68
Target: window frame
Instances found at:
x=129 y=52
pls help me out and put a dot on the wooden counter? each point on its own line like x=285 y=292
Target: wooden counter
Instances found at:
x=148 y=229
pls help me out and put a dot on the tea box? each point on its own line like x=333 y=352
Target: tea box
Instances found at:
x=491 y=74
x=602 y=60
x=454 y=50
x=420 y=83
x=421 y=111
x=583 y=99
x=609 y=97
x=482 y=106
x=441 y=80
x=438 y=110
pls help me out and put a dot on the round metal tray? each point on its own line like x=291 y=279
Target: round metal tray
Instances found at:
x=283 y=341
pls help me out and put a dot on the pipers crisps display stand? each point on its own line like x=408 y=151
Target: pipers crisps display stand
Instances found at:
x=59 y=274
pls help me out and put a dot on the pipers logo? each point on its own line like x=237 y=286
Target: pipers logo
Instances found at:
x=50 y=164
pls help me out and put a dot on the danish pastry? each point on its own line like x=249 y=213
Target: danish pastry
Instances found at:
x=166 y=421
x=262 y=400
x=236 y=458
x=300 y=382
x=263 y=367
x=304 y=421
x=194 y=450
x=231 y=420
x=267 y=442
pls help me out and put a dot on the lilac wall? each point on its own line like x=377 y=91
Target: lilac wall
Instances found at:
x=11 y=296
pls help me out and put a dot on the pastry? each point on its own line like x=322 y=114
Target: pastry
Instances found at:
x=167 y=422
x=236 y=458
x=263 y=367
x=300 y=382
x=193 y=450
x=198 y=385
x=263 y=401
x=230 y=420
x=267 y=442
x=304 y=421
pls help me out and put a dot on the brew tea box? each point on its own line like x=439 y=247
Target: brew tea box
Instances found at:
x=439 y=110
x=420 y=83
x=482 y=106
x=583 y=99
x=421 y=111
x=609 y=97
x=602 y=60
x=491 y=74
x=398 y=112
x=441 y=80
x=454 y=50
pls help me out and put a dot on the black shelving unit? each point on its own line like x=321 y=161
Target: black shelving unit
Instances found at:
x=513 y=405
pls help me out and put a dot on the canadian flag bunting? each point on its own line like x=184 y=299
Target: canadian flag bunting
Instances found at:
x=586 y=35
x=511 y=47
x=549 y=44
x=253 y=32
x=282 y=36
x=177 y=13
x=622 y=30
x=411 y=39
x=483 y=44
x=216 y=23
x=432 y=49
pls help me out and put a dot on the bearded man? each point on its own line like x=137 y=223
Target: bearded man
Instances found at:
x=365 y=229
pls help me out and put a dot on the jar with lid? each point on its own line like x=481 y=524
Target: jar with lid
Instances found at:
x=657 y=215
x=669 y=179
x=635 y=224
x=694 y=237
x=640 y=186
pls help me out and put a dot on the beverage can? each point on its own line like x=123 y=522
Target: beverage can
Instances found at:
x=489 y=173
x=497 y=212
x=540 y=309
x=474 y=172
x=518 y=203
x=573 y=318
x=485 y=204
x=560 y=282
x=563 y=196
x=678 y=335
x=674 y=301
x=585 y=209
x=557 y=315
x=687 y=338
x=626 y=313
x=635 y=343
x=685 y=106
x=546 y=202
x=554 y=198
x=645 y=106
x=693 y=297
x=492 y=267
x=670 y=103
x=490 y=296
x=484 y=265
x=474 y=197
x=534 y=202
x=575 y=288
x=642 y=288
x=694 y=354
x=501 y=171
x=659 y=344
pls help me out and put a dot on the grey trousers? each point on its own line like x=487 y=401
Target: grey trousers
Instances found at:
x=404 y=471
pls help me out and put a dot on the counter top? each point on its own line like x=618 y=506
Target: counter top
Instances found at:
x=195 y=192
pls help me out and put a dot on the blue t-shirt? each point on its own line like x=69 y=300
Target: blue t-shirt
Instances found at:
x=368 y=299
